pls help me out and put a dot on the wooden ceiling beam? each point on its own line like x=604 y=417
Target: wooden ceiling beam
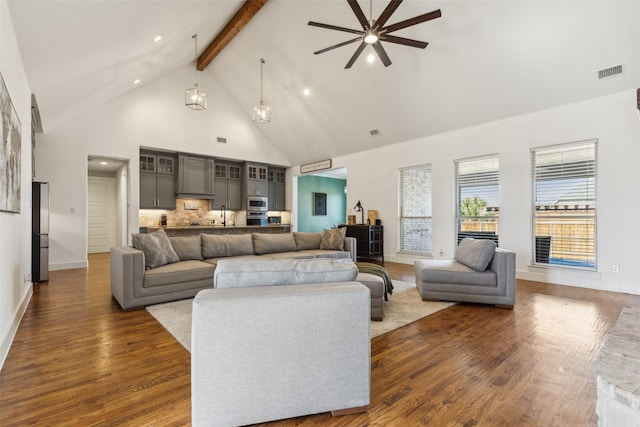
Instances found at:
x=233 y=27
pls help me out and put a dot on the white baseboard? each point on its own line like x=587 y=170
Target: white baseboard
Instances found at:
x=68 y=265
x=7 y=340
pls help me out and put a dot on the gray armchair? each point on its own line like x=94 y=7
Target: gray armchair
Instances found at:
x=481 y=273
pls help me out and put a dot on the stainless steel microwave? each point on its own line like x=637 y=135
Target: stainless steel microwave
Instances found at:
x=257 y=203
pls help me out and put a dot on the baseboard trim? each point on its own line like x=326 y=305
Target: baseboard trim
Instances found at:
x=68 y=265
x=13 y=328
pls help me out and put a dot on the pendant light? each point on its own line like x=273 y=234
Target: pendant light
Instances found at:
x=194 y=98
x=261 y=113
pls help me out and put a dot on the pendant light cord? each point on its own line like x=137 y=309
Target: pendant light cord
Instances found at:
x=261 y=63
x=195 y=37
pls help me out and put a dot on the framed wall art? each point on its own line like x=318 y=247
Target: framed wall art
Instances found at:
x=319 y=204
x=10 y=150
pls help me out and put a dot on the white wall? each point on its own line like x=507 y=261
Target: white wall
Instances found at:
x=153 y=115
x=613 y=120
x=15 y=229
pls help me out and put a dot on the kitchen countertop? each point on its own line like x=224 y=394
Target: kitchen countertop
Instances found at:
x=190 y=230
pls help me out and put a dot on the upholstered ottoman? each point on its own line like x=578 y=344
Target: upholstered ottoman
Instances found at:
x=376 y=287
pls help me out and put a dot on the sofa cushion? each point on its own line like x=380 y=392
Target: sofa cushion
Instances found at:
x=179 y=272
x=305 y=241
x=187 y=247
x=333 y=239
x=453 y=272
x=264 y=243
x=156 y=247
x=238 y=273
x=221 y=245
x=475 y=253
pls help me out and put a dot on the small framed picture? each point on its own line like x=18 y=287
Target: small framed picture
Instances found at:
x=319 y=204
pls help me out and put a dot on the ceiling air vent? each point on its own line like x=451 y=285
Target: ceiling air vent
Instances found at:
x=611 y=71
x=374 y=132
x=221 y=140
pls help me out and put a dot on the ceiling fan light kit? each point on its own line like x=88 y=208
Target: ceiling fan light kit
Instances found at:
x=261 y=113
x=195 y=98
x=375 y=32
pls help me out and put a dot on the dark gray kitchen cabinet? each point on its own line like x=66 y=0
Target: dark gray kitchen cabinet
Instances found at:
x=256 y=179
x=157 y=181
x=195 y=177
x=277 y=188
x=227 y=185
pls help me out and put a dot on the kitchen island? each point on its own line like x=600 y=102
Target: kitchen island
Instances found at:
x=194 y=230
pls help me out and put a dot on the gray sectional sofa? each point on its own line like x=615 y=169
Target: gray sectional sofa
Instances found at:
x=161 y=272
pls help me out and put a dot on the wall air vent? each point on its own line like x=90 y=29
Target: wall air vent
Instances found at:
x=222 y=140
x=374 y=132
x=611 y=71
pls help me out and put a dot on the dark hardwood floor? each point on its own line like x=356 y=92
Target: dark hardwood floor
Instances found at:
x=78 y=359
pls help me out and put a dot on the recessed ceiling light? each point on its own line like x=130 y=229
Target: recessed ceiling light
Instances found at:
x=371 y=58
x=103 y=163
x=157 y=38
x=136 y=81
x=306 y=91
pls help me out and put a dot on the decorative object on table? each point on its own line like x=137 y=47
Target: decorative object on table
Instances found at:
x=195 y=98
x=358 y=208
x=319 y=204
x=351 y=220
x=261 y=113
x=373 y=31
x=10 y=149
x=372 y=216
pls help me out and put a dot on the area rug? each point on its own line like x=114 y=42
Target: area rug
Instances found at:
x=404 y=306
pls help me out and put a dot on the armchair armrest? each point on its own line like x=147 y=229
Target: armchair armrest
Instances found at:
x=504 y=265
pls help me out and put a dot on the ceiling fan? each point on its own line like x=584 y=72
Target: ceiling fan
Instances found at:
x=374 y=32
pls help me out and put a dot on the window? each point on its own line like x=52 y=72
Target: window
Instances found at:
x=415 y=210
x=478 y=198
x=564 y=204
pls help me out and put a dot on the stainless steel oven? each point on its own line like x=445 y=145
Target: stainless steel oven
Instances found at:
x=257 y=204
x=256 y=218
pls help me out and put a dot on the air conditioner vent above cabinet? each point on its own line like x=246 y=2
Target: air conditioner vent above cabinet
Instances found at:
x=611 y=71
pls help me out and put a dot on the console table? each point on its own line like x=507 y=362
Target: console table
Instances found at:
x=370 y=240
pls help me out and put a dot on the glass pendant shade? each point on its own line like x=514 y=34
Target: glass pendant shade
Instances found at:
x=195 y=98
x=262 y=114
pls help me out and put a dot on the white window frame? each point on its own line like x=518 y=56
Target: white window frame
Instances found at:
x=584 y=211
x=427 y=214
x=493 y=213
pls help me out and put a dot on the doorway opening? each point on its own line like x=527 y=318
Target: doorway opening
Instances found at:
x=107 y=203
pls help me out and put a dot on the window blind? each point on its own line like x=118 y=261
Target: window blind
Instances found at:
x=415 y=210
x=478 y=197
x=564 y=204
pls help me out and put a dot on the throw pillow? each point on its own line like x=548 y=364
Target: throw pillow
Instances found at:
x=475 y=253
x=156 y=247
x=187 y=247
x=307 y=241
x=333 y=239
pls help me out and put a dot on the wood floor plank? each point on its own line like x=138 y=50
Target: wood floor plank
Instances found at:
x=78 y=359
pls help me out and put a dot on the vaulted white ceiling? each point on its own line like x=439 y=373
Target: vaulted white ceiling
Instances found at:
x=486 y=60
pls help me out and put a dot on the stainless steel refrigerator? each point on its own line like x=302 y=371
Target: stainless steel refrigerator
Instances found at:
x=40 y=232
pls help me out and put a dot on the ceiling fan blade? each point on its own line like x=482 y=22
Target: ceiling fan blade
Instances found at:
x=387 y=12
x=355 y=55
x=337 y=45
x=413 y=21
x=359 y=13
x=403 y=41
x=333 y=27
x=381 y=54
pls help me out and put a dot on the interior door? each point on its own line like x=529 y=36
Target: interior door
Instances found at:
x=101 y=214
